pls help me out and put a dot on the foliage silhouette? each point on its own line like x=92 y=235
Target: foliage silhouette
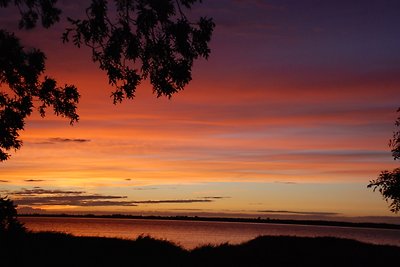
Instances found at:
x=139 y=39
x=20 y=71
x=9 y=224
x=293 y=251
x=388 y=183
x=31 y=10
x=394 y=143
x=56 y=249
x=147 y=39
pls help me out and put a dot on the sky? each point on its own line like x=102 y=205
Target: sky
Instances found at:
x=290 y=117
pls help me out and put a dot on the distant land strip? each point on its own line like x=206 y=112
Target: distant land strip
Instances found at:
x=222 y=219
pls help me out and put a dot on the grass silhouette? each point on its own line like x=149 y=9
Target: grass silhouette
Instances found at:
x=58 y=249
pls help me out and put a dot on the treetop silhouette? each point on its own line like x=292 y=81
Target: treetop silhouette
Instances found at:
x=388 y=183
x=130 y=40
x=394 y=143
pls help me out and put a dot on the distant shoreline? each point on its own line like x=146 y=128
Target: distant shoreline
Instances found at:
x=223 y=219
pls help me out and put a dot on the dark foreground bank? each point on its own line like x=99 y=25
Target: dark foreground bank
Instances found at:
x=56 y=249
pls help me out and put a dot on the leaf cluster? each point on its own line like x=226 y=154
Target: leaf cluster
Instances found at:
x=388 y=183
x=143 y=39
x=131 y=40
x=394 y=143
x=33 y=10
x=20 y=73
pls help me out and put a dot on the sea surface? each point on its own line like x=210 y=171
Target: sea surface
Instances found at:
x=191 y=234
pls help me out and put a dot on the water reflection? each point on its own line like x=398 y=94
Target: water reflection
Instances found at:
x=191 y=234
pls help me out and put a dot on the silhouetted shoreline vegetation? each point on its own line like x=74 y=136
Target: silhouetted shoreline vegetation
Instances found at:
x=224 y=219
x=58 y=249
x=27 y=248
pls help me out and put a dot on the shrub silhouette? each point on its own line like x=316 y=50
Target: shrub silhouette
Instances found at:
x=9 y=224
x=57 y=249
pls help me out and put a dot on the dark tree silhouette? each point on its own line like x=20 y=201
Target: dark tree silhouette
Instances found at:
x=20 y=72
x=395 y=141
x=146 y=39
x=9 y=223
x=20 y=77
x=388 y=183
x=138 y=39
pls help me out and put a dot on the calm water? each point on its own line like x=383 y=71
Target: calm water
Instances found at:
x=191 y=234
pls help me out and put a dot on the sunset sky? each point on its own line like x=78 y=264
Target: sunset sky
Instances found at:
x=290 y=116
